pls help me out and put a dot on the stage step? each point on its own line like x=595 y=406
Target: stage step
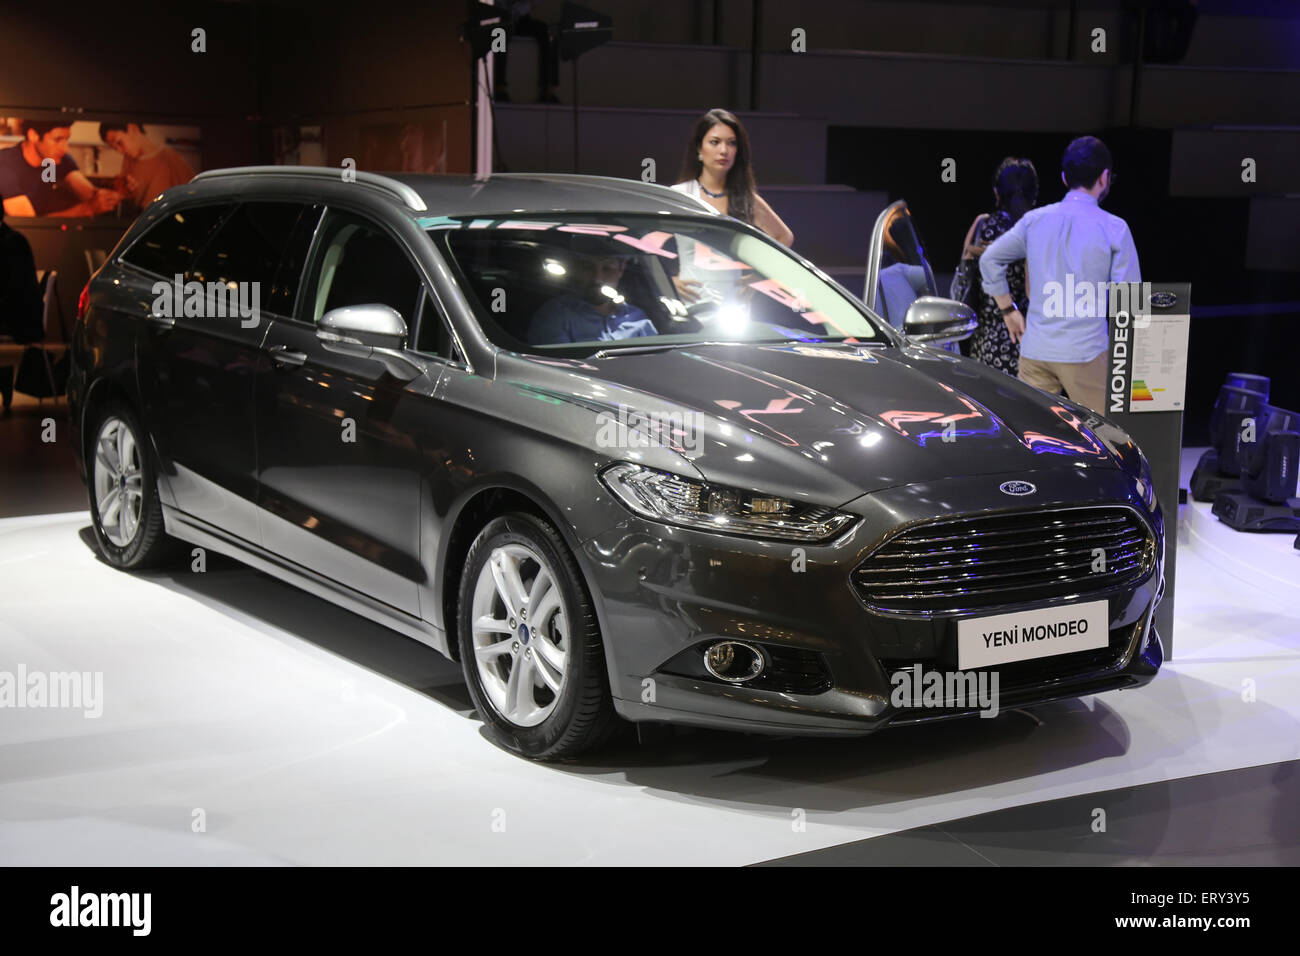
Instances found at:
x=787 y=148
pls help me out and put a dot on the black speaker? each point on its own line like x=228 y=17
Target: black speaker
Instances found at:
x=477 y=30
x=582 y=30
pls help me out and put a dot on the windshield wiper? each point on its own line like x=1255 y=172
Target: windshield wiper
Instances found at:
x=606 y=353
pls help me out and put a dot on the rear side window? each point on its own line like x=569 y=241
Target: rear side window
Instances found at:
x=249 y=248
x=171 y=244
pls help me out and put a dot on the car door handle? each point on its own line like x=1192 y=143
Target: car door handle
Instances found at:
x=283 y=356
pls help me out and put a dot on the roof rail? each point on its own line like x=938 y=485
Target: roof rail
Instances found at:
x=652 y=190
x=587 y=179
x=400 y=191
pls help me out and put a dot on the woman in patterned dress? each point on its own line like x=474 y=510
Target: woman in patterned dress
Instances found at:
x=1015 y=190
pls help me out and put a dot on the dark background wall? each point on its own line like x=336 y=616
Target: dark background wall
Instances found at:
x=349 y=65
x=885 y=91
x=343 y=67
x=91 y=61
x=134 y=62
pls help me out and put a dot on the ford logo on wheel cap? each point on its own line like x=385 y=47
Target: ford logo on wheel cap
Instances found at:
x=1017 y=488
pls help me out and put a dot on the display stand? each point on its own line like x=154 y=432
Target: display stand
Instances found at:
x=1145 y=395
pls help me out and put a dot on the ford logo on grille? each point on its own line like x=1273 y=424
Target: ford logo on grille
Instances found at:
x=1017 y=488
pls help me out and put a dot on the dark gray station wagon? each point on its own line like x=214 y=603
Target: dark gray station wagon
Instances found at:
x=624 y=458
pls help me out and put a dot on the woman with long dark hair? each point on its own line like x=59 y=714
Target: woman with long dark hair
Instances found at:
x=716 y=169
x=1015 y=191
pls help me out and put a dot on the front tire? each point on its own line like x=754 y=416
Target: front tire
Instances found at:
x=124 y=508
x=530 y=643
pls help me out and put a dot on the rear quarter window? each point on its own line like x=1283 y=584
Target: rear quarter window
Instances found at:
x=170 y=245
x=261 y=244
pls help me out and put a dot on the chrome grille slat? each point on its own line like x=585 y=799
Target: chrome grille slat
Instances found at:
x=994 y=532
x=955 y=565
x=967 y=562
x=1118 y=562
x=1006 y=589
x=901 y=554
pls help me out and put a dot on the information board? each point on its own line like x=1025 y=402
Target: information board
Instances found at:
x=1146 y=388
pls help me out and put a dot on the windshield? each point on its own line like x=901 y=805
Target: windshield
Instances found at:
x=574 y=284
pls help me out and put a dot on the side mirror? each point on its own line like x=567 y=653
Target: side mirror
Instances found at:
x=379 y=326
x=934 y=321
x=369 y=331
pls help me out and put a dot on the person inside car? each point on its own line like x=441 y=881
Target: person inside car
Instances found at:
x=598 y=314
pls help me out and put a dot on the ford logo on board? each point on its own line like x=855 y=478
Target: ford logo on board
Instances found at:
x=1017 y=488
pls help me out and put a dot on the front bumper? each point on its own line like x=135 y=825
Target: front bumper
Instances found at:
x=665 y=593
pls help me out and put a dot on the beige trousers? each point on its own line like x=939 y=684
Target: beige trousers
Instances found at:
x=1084 y=382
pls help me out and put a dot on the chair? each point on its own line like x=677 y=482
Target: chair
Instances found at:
x=94 y=259
x=52 y=309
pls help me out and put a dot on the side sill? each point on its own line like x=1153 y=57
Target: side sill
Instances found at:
x=180 y=525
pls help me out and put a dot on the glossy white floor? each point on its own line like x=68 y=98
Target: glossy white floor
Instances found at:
x=296 y=733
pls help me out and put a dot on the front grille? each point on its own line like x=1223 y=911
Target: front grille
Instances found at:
x=956 y=565
x=793 y=671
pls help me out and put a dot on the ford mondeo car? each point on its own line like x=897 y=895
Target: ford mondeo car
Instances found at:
x=622 y=457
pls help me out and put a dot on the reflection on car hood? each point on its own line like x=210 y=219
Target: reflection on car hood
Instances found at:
x=819 y=420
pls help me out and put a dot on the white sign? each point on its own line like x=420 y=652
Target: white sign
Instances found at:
x=1025 y=635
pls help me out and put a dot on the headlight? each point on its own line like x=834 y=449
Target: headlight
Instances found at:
x=1120 y=444
x=1146 y=487
x=672 y=499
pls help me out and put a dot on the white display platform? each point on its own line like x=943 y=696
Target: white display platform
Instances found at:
x=306 y=735
x=1263 y=560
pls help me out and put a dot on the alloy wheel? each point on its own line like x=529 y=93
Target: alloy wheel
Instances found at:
x=520 y=634
x=118 y=481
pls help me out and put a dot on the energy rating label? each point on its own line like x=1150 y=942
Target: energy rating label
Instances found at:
x=1159 y=364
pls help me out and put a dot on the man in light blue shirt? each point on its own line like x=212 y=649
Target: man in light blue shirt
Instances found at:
x=1072 y=251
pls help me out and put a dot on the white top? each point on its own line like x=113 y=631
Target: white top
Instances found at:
x=692 y=188
x=719 y=284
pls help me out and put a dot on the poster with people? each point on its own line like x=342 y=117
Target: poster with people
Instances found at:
x=63 y=168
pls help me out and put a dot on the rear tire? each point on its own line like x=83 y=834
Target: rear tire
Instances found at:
x=530 y=644
x=125 y=512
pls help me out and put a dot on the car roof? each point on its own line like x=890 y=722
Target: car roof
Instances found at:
x=497 y=194
x=542 y=192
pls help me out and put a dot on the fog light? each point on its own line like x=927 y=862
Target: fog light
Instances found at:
x=734 y=661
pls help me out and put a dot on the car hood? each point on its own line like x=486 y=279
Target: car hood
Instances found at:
x=831 y=422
